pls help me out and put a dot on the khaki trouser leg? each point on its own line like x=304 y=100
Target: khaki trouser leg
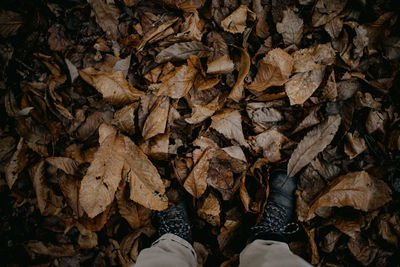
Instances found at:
x=168 y=251
x=264 y=253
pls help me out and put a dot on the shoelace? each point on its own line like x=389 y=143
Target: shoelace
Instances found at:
x=274 y=221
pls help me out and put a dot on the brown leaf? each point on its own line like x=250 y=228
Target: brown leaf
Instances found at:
x=176 y=83
x=326 y=10
x=229 y=123
x=124 y=119
x=87 y=239
x=200 y=113
x=157 y=120
x=221 y=65
x=10 y=22
x=70 y=189
x=209 y=209
x=16 y=164
x=314 y=248
x=154 y=32
x=146 y=186
x=113 y=86
x=201 y=252
x=230 y=228
x=273 y=70
x=185 y=5
x=357 y=189
x=375 y=121
x=313 y=58
x=102 y=178
x=236 y=22
x=314 y=142
x=130 y=245
x=310 y=120
x=354 y=145
x=244 y=66
x=302 y=85
x=204 y=83
x=270 y=142
x=67 y=165
x=92 y=123
x=262 y=114
x=334 y=27
x=56 y=251
x=291 y=28
x=106 y=16
x=57 y=39
x=182 y=51
x=362 y=250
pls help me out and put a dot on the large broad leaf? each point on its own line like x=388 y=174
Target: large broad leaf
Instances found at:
x=146 y=186
x=357 y=190
x=291 y=28
x=273 y=70
x=314 y=142
x=229 y=123
x=182 y=51
x=102 y=178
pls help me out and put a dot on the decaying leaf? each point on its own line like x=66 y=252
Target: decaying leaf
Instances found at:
x=67 y=165
x=236 y=22
x=291 y=27
x=16 y=164
x=358 y=190
x=244 y=67
x=210 y=209
x=182 y=51
x=326 y=10
x=10 y=22
x=229 y=123
x=375 y=121
x=314 y=142
x=106 y=16
x=200 y=113
x=124 y=119
x=273 y=70
x=313 y=58
x=355 y=145
x=302 y=85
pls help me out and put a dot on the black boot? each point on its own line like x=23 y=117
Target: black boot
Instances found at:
x=276 y=221
x=174 y=220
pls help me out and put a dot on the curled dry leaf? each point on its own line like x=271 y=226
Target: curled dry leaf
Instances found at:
x=102 y=178
x=334 y=27
x=182 y=51
x=291 y=28
x=302 y=85
x=244 y=66
x=200 y=113
x=358 y=190
x=221 y=65
x=229 y=123
x=314 y=142
x=113 y=86
x=273 y=70
x=106 y=16
x=124 y=119
x=236 y=22
x=87 y=239
x=155 y=32
x=10 y=22
x=146 y=186
x=313 y=58
x=157 y=119
x=270 y=142
x=210 y=209
x=176 y=83
x=326 y=10
x=375 y=121
x=354 y=145
x=16 y=164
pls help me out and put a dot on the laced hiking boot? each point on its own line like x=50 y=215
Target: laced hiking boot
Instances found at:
x=276 y=221
x=174 y=220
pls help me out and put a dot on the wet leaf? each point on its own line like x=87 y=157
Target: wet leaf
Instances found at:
x=314 y=142
x=273 y=70
x=291 y=27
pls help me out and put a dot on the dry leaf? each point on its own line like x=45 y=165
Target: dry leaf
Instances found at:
x=154 y=32
x=67 y=165
x=200 y=113
x=10 y=22
x=291 y=28
x=124 y=119
x=302 y=85
x=334 y=27
x=102 y=178
x=146 y=186
x=70 y=189
x=52 y=250
x=16 y=164
x=113 y=86
x=270 y=142
x=221 y=65
x=273 y=70
x=326 y=10
x=106 y=16
x=244 y=66
x=375 y=121
x=311 y=120
x=185 y=5
x=362 y=250
x=229 y=123
x=157 y=119
x=314 y=248
x=236 y=22
x=182 y=51
x=209 y=209
x=87 y=239
x=262 y=114
x=357 y=189
x=313 y=58
x=73 y=71
x=354 y=145
x=314 y=142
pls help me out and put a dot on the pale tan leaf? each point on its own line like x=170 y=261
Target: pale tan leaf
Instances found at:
x=182 y=51
x=124 y=119
x=157 y=119
x=200 y=113
x=106 y=16
x=16 y=164
x=262 y=114
x=270 y=142
x=354 y=145
x=221 y=65
x=236 y=22
x=229 y=123
x=102 y=178
x=302 y=85
x=122 y=65
x=235 y=152
x=10 y=22
x=326 y=10
x=358 y=190
x=73 y=71
x=67 y=165
x=210 y=209
x=273 y=70
x=334 y=27
x=113 y=86
x=244 y=66
x=291 y=28
x=313 y=58
x=146 y=186
x=314 y=142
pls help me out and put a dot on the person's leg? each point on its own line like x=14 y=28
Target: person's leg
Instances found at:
x=269 y=253
x=170 y=251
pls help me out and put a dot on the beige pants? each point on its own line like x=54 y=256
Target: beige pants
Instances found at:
x=172 y=251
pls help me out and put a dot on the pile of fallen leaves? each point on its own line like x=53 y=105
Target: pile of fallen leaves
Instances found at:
x=109 y=109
